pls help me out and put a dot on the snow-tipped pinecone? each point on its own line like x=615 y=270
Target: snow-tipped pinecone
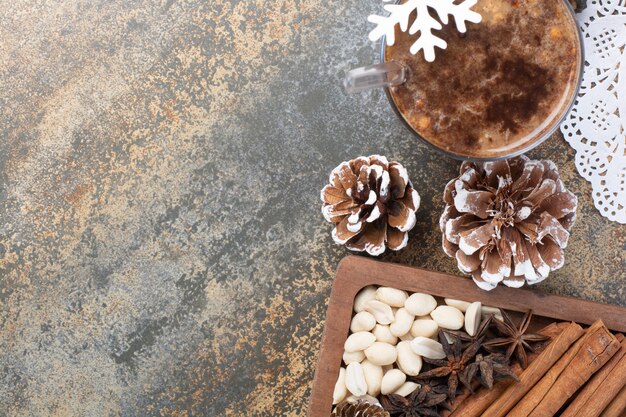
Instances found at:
x=507 y=221
x=372 y=202
x=358 y=409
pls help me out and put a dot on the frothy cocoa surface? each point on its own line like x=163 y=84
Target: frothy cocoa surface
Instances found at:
x=497 y=88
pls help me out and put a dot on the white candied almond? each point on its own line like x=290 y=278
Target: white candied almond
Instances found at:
x=383 y=334
x=366 y=294
x=362 y=322
x=381 y=354
x=391 y=296
x=472 y=318
x=402 y=322
x=392 y=381
x=486 y=310
x=427 y=348
x=425 y=327
x=461 y=305
x=373 y=377
x=340 y=392
x=420 y=304
x=381 y=311
x=407 y=388
x=355 y=379
x=349 y=357
x=408 y=361
x=448 y=317
x=359 y=341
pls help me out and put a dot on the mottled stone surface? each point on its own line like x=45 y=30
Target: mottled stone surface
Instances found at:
x=162 y=250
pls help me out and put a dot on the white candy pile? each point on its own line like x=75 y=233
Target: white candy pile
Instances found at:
x=390 y=332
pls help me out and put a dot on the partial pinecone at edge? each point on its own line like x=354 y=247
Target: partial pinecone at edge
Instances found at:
x=358 y=409
x=579 y=5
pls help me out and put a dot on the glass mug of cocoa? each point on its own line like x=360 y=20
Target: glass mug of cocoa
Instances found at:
x=496 y=91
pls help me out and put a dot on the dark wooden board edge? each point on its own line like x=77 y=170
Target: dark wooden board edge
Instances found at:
x=356 y=272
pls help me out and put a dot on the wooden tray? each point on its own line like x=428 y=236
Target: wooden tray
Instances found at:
x=355 y=272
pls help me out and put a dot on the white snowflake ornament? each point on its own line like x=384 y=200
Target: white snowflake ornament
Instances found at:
x=424 y=23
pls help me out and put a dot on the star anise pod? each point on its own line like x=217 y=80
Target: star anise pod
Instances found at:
x=514 y=338
x=453 y=366
x=433 y=387
x=488 y=367
x=480 y=333
x=422 y=402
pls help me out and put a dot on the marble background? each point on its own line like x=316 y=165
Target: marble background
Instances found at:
x=162 y=250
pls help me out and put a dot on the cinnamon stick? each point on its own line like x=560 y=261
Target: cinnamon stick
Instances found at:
x=591 y=390
x=527 y=404
x=535 y=371
x=592 y=355
x=475 y=405
x=611 y=386
x=617 y=407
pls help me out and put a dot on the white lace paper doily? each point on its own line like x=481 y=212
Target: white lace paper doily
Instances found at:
x=596 y=125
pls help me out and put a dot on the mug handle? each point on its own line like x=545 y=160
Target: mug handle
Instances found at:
x=386 y=74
